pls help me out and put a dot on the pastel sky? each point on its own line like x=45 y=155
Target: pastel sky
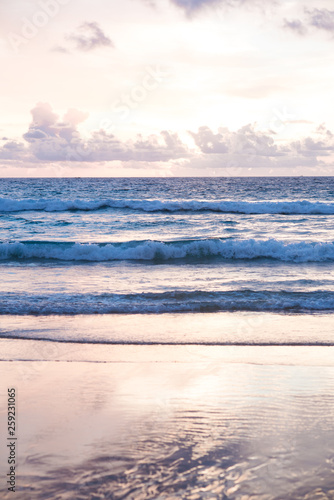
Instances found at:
x=166 y=87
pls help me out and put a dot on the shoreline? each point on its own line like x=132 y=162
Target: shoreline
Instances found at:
x=217 y=328
x=25 y=351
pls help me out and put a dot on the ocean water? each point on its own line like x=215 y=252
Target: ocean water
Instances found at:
x=125 y=246
x=169 y=338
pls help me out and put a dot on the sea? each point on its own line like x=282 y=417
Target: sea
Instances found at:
x=177 y=245
x=169 y=337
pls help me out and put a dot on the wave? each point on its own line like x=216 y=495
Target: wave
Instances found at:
x=224 y=206
x=148 y=250
x=167 y=302
x=213 y=343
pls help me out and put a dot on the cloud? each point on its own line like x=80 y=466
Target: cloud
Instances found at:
x=322 y=19
x=101 y=147
x=208 y=142
x=89 y=36
x=250 y=148
x=47 y=124
x=51 y=139
x=244 y=141
x=295 y=25
x=167 y=146
x=191 y=7
x=106 y=147
x=322 y=144
x=11 y=150
x=60 y=49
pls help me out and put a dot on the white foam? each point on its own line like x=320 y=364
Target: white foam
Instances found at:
x=158 y=250
x=223 y=206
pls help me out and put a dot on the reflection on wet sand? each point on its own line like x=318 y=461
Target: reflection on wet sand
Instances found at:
x=167 y=430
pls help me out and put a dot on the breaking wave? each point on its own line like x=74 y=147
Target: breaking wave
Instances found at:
x=149 y=250
x=224 y=206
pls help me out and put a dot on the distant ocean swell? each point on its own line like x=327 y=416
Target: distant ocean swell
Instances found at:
x=226 y=206
x=149 y=250
x=167 y=302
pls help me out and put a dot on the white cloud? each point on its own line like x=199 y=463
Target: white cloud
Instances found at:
x=322 y=144
x=11 y=150
x=244 y=141
x=248 y=148
x=51 y=140
x=46 y=124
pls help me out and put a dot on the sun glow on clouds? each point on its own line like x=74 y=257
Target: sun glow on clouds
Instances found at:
x=143 y=79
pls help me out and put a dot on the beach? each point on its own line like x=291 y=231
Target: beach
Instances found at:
x=169 y=421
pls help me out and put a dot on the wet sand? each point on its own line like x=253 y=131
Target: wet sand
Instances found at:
x=167 y=422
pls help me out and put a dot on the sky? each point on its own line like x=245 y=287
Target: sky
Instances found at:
x=166 y=88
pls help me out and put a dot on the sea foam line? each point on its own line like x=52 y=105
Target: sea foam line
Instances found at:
x=149 y=250
x=223 y=206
